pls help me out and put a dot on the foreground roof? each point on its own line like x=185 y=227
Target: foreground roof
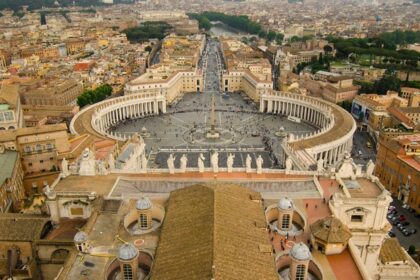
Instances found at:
x=391 y=251
x=330 y=230
x=214 y=232
x=21 y=227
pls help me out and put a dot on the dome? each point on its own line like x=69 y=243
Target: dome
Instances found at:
x=330 y=230
x=143 y=203
x=127 y=252
x=300 y=252
x=80 y=237
x=285 y=203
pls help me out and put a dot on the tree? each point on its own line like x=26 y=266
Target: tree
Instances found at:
x=271 y=35
x=43 y=19
x=346 y=105
x=328 y=48
x=387 y=82
x=320 y=59
x=93 y=96
x=411 y=250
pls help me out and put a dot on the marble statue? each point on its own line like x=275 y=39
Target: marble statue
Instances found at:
x=248 y=162
x=215 y=162
x=184 y=161
x=200 y=163
x=143 y=162
x=320 y=165
x=229 y=162
x=347 y=168
x=111 y=161
x=289 y=164
x=171 y=164
x=370 y=166
x=101 y=167
x=65 y=168
x=260 y=162
x=87 y=164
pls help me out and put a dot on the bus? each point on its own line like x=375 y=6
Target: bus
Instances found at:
x=293 y=119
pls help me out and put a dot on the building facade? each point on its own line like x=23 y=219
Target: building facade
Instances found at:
x=11 y=116
x=38 y=146
x=398 y=167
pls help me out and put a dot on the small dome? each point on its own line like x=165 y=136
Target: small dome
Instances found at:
x=285 y=203
x=143 y=203
x=300 y=252
x=80 y=237
x=127 y=252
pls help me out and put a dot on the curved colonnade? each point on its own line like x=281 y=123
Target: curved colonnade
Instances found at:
x=330 y=142
x=110 y=112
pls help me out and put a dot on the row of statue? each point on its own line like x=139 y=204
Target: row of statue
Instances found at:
x=214 y=163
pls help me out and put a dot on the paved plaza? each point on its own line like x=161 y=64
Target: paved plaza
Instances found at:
x=241 y=127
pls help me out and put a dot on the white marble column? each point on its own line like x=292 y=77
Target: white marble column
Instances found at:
x=270 y=106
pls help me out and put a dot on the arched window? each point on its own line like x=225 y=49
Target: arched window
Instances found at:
x=286 y=221
x=143 y=221
x=300 y=272
x=128 y=272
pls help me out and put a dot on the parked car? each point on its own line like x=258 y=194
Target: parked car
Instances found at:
x=405 y=232
x=401 y=227
x=390 y=216
x=405 y=206
x=405 y=223
x=413 y=231
x=391 y=234
x=402 y=218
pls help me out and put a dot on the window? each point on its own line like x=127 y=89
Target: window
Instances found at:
x=357 y=218
x=286 y=221
x=128 y=272
x=143 y=221
x=28 y=149
x=8 y=116
x=38 y=148
x=300 y=272
x=50 y=146
x=41 y=161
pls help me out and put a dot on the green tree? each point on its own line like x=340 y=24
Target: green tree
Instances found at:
x=387 y=82
x=346 y=105
x=411 y=250
x=271 y=35
x=328 y=49
x=279 y=38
